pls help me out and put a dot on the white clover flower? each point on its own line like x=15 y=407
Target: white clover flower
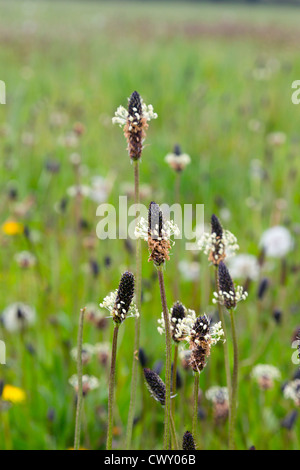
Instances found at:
x=169 y=228
x=226 y=246
x=244 y=266
x=89 y=382
x=109 y=304
x=217 y=394
x=18 y=316
x=122 y=115
x=292 y=391
x=277 y=242
x=233 y=297
x=25 y=259
x=190 y=270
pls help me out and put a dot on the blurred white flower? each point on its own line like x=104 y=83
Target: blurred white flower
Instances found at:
x=25 y=259
x=277 y=242
x=18 y=316
x=292 y=391
x=244 y=266
x=276 y=138
x=89 y=383
x=190 y=270
x=265 y=374
x=100 y=189
x=79 y=190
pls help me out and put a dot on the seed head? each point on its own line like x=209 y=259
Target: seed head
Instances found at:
x=226 y=286
x=216 y=226
x=155 y=386
x=158 y=245
x=200 y=342
x=135 y=127
x=188 y=442
x=124 y=297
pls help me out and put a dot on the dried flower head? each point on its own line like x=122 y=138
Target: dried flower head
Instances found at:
x=201 y=337
x=188 y=442
x=119 y=303
x=265 y=375
x=218 y=244
x=158 y=233
x=177 y=160
x=292 y=391
x=135 y=123
x=181 y=322
x=228 y=295
x=155 y=386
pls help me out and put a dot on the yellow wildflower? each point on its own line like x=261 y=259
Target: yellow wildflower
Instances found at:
x=11 y=227
x=13 y=394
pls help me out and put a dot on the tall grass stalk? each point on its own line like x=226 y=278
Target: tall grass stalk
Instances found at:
x=195 y=404
x=79 y=374
x=168 y=357
x=111 y=387
x=234 y=392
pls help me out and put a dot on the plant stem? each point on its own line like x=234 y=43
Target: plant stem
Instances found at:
x=112 y=387
x=225 y=344
x=195 y=407
x=173 y=431
x=138 y=282
x=233 y=404
x=168 y=358
x=177 y=251
x=79 y=375
x=174 y=376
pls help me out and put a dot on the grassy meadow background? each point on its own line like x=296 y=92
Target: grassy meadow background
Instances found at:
x=212 y=73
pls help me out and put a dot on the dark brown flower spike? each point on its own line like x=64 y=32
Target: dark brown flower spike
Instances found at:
x=155 y=386
x=135 y=127
x=200 y=343
x=226 y=286
x=188 y=442
x=159 y=246
x=124 y=297
x=217 y=254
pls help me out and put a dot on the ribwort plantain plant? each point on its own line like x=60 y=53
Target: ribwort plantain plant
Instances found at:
x=120 y=305
x=135 y=123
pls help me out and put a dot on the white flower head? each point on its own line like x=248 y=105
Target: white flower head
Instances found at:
x=233 y=297
x=265 y=374
x=181 y=321
x=292 y=391
x=116 y=311
x=122 y=115
x=277 y=242
x=18 y=316
x=218 y=244
x=25 y=259
x=177 y=160
x=217 y=394
x=89 y=382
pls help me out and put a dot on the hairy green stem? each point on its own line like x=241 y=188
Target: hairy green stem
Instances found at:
x=173 y=432
x=233 y=404
x=79 y=375
x=112 y=387
x=168 y=358
x=138 y=283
